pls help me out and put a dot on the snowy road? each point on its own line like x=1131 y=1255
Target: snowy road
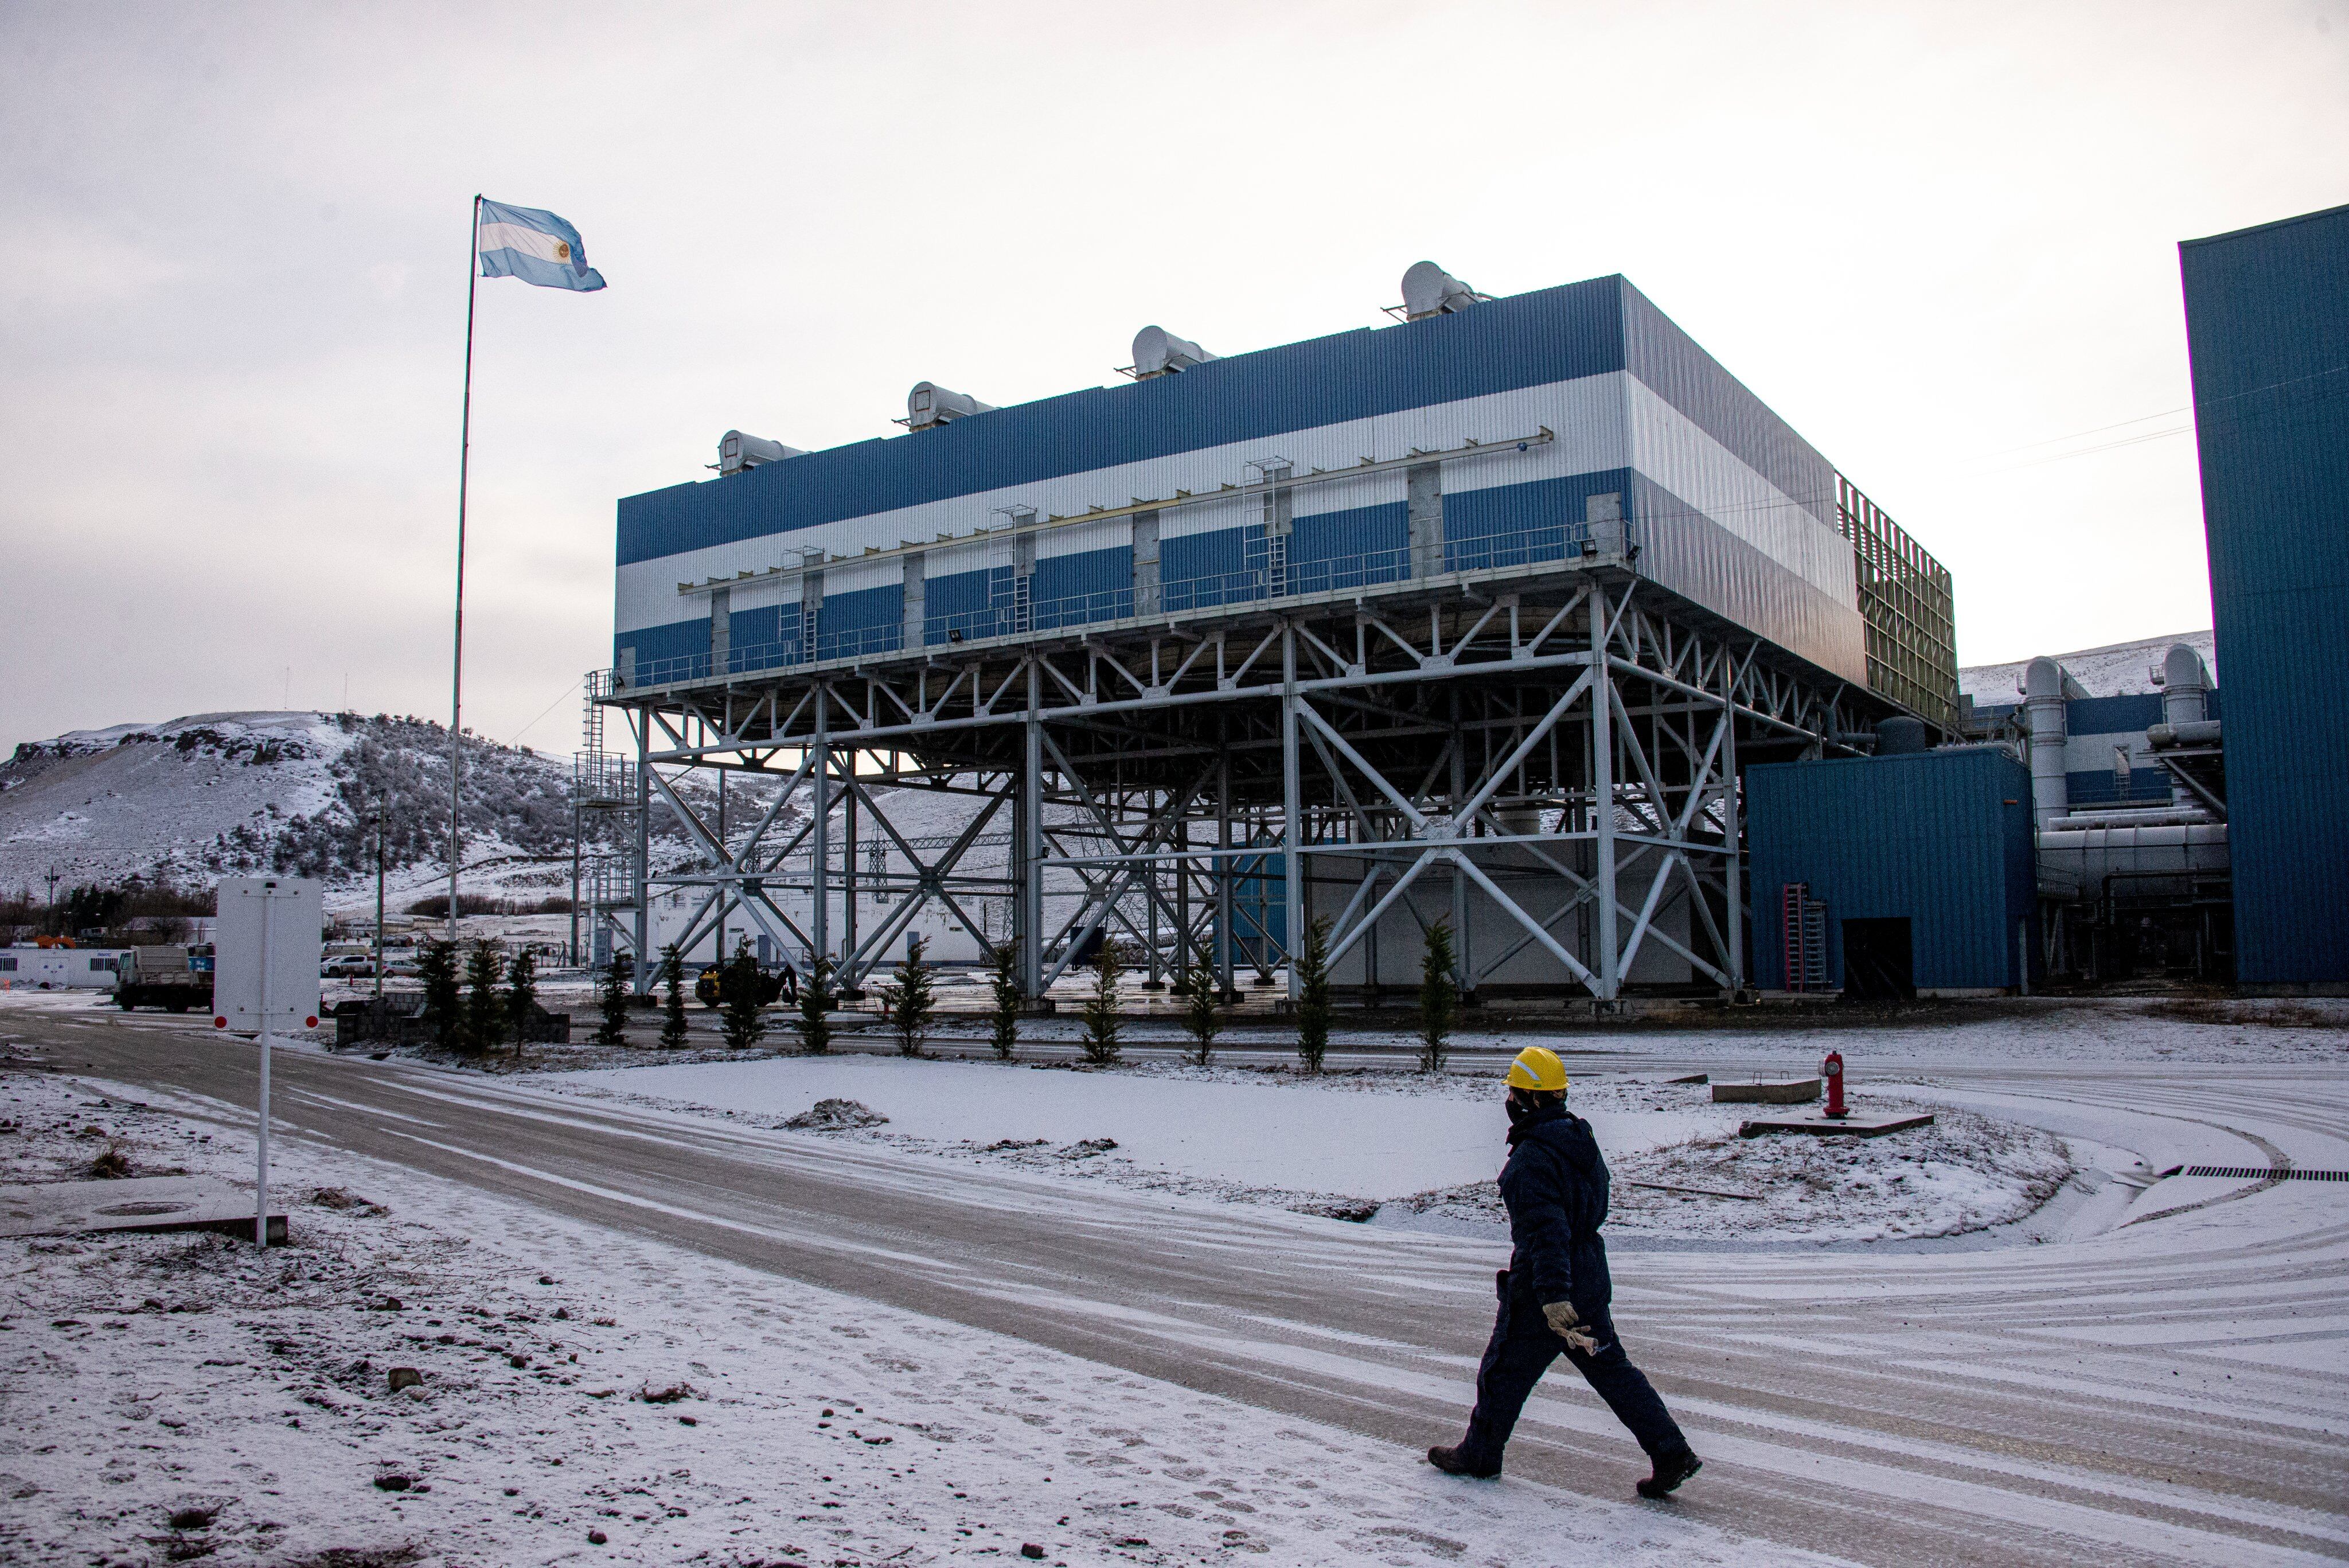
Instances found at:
x=2174 y=1388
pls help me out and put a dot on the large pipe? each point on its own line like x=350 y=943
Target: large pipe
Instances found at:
x=2093 y=853
x=2043 y=681
x=2185 y=686
x=2169 y=737
x=2097 y=821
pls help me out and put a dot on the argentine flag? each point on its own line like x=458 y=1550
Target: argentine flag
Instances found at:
x=532 y=246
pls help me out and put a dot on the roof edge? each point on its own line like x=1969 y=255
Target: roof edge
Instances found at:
x=2262 y=228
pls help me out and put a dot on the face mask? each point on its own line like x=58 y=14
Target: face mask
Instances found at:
x=1520 y=1112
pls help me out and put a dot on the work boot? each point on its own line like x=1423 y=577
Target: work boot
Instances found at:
x=1673 y=1466
x=1452 y=1462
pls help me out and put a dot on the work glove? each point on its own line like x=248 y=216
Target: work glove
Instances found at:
x=1567 y=1323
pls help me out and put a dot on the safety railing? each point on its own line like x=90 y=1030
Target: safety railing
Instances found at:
x=1271 y=574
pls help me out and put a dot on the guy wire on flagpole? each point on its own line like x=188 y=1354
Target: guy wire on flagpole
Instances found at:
x=457 y=662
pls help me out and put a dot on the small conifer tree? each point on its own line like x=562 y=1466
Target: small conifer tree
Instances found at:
x=742 y=994
x=1313 y=996
x=816 y=1002
x=673 y=1025
x=612 y=1003
x=522 y=997
x=435 y=965
x=1201 y=1006
x=1100 y=1043
x=1003 y=985
x=484 y=1025
x=917 y=1000
x=1439 y=999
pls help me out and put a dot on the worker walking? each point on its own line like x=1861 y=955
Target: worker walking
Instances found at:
x=1555 y=1293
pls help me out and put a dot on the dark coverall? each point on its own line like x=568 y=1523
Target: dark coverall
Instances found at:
x=1554 y=1185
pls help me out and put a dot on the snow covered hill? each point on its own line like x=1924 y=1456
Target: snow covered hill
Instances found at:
x=214 y=794
x=2117 y=669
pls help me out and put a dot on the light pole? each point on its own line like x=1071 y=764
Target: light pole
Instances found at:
x=378 y=825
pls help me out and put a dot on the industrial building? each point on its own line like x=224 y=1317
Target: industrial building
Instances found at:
x=2267 y=317
x=1521 y=616
x=1905 y=872
x=1477 y=618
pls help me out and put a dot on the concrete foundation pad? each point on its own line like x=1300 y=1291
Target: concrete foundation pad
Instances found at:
x=1854 y=1125
x=133 y=1203
x=1786 y=1092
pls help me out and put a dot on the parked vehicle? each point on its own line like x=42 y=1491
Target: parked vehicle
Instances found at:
x=165 y=977
x=51 y=965
x=347 y=966
x=708 y=985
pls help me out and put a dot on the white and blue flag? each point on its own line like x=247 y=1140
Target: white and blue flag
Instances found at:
x=534 y=245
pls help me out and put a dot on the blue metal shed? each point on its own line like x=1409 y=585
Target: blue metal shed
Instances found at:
x=2267 y=316
x=1939 y=840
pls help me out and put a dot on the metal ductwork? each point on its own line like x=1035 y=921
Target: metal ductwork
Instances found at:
x=1157 y=352
x=736 y=452
x=2171 y=737
x=1429 y=290
x=2047 y=686
x=930 y=404
x=1902 y=736
x=2185 y=686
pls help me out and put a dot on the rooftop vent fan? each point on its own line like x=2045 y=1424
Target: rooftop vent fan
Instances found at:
x=930 y=404
x=1157 y=352
x=1429 y=290
x=736 y=452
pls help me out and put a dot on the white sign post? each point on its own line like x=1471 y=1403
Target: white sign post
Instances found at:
x=264 y=976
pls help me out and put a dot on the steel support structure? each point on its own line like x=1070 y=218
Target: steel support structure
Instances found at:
x=1560 y=741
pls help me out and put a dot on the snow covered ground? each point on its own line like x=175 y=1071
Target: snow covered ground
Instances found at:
x=589 y=1396
x=1390 y=1145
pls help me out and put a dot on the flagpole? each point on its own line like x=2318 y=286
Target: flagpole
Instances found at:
x=457 y=660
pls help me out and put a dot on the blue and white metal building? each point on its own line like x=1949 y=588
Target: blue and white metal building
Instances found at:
x=1471 y=617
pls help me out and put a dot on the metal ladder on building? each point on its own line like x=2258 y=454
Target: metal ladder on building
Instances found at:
x=1804 y=924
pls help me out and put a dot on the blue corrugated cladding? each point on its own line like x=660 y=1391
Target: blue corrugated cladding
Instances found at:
x=1942 y=838
x=1514 y=524
x=974 y=603
x=1351 y=548
x=662 y=645
x=1085 y=585
x=861 y=621
x=2267 y=314
x=1529 y=340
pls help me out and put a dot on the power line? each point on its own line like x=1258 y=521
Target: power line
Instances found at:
x=2097 y=430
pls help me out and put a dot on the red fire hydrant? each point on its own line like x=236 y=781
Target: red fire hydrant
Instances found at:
x=1832 y=1070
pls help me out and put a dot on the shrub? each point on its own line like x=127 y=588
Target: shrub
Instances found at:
x=1439 y=999
x=484 y=1025
x=816 y=1002
x=1003 y=986
x=1202 y=1009
x=612 y=1003
x=436 y=966
x=1313 y=996
x=522 y=997
x=917 y=1001
x=742 y=994
x=1099 y=1042
x=672 y=1026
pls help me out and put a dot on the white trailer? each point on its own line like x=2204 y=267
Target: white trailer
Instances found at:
x=61 y=968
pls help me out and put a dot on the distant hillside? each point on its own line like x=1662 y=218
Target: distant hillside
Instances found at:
x=214 y=794
x=2119 y=670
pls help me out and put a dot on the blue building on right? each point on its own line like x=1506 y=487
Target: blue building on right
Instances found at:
x=2267 y=313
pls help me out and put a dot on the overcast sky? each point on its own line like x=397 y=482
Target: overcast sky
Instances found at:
x=1940 y=239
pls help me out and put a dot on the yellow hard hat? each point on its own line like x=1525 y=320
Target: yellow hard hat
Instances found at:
x=1537 y=1067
